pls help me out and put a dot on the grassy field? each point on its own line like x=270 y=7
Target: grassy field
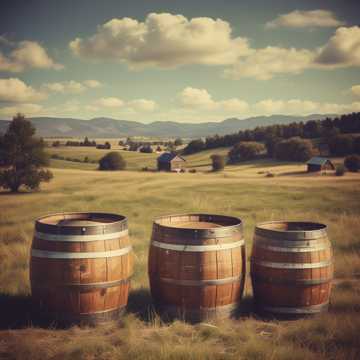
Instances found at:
x=242 y=191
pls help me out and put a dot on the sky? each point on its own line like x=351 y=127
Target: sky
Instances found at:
x=178 y=60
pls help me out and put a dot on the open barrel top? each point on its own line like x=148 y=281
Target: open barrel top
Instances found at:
x=291 y=230
x=81 y=223
x=197 y=226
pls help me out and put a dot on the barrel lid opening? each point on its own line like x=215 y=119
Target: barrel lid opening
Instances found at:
x=197 y=221
x=82 y=222
x=290 y=226
x=291 y=230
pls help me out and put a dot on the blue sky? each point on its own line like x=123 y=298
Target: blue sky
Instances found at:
x=189 y=61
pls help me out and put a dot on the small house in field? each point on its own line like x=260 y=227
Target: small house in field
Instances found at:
x=318 y=163
x=170 y=162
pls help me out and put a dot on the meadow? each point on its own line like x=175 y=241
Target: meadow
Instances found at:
x=242 y=191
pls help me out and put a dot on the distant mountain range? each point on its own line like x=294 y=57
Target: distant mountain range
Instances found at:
x=110 y=128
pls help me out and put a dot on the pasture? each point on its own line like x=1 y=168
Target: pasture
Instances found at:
x=242 y=191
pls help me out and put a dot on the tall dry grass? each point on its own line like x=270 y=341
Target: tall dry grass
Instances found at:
x=141 y=334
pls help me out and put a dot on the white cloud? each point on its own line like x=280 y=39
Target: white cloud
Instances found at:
x=144 y=105
x=342 y=50
x=263 y=64
x=27 y=55
x=302 y=107
x=355 y=90
x=110 y=102
x=163 y=40
x=92 y=84
x=15 y=90
x=28 y=109
x=71 y=86
x=200 y=99
x=306 y=19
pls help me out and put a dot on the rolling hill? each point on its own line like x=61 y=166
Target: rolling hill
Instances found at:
x=109 y=128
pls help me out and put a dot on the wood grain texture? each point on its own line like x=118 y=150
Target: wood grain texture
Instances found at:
x=196 y=285
x=81 y=290
x=293 y=277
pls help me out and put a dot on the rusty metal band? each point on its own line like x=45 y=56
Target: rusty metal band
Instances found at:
x=230 y=226
x=278 y=265
x=292 y=282
x=292 y=234
x=202 y=282
x=319 y=247
x=197 y=248
x=116 y=223
x=82 y=287
x=79 y=255
x=295 y=310
x=80 y=238
x=291 y=243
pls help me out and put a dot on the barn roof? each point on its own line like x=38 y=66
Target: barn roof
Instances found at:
x=317 y=160
x=167 y=157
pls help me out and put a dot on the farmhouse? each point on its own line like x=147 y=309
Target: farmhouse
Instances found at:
x=170 y=162
x=318 y=163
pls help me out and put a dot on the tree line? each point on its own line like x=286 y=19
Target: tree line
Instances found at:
x=336 y=133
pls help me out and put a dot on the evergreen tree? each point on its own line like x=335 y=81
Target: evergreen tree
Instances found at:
x=22 y=156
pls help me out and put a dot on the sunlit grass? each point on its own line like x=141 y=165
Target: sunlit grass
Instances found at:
x=141 y=196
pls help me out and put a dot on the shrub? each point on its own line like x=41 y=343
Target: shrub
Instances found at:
x=23 y=155
x=245 y=150
x=294 y=149
x=270 y=174
x=340 y=170
x=86 y=159
x=178 y=142
x=194 y=146
x=112 y=161
x=192 y=171
x=147 y=149
x=218 y=162
x=352 y=163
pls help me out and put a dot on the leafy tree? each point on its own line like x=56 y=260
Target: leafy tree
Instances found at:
x=194 y=146
x=178 y=142
x=352 y=163
x=112 y=161
x=218 y=162
x=356 y=145
x=23 y=156
x=294 y=149
x=341 y=145
x=245 y=150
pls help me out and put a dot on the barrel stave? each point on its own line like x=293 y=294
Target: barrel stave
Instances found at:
x=291 y=271
x=90 y=288
x=194 y=273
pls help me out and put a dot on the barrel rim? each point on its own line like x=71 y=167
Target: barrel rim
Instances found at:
x=238 y=221
x=119 y=223
x=314 y=230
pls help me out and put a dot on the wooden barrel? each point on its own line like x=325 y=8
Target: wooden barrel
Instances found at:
x=291 y=267
x=80 y=267
x=197 y=265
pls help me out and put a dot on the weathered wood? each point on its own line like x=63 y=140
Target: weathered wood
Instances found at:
x=291 y=267
x=197 y=265
x=80 y=266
